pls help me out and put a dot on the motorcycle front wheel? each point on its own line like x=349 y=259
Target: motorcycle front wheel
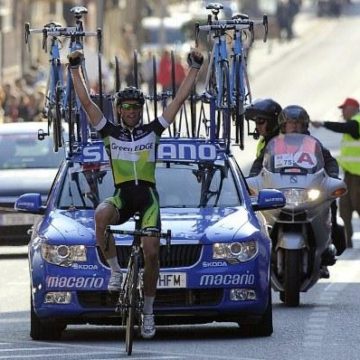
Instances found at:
x=292 y=277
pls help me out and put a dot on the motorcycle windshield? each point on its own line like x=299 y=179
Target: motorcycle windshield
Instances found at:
x=293 y=154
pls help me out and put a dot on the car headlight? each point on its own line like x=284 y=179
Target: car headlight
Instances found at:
x=235 y=252
x=297 y=197
x=63 y=255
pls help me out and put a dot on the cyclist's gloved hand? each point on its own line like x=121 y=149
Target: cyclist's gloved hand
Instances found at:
x=195 y=59
x=75 y=59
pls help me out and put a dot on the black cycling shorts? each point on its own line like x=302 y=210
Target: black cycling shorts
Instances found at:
x=142 y=198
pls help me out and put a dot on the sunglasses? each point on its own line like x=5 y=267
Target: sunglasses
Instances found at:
x=126 y=106
x=260 y=121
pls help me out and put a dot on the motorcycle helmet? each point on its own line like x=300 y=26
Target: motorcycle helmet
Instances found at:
x=294 y=113
x=129 y=93
x=265 y=109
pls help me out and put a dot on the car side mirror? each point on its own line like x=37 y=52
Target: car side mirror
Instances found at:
x=31 y=203
x=268 y=199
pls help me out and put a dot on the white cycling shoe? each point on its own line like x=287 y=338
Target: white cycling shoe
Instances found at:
x=115 y=281
x=147 y=326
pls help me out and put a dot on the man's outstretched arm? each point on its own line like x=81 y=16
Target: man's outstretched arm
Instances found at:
x=195 y=60
x=92 y=110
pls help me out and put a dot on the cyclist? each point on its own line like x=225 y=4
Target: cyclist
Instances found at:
x=133 y=172
x=265 y=113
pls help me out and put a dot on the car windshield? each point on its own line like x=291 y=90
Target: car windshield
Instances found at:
x=25 y=151
x=179 y=185
x=293 y=153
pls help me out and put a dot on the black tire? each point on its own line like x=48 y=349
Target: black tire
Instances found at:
x=225 y=94
x=117 y=74
x=292 y=277
x=51 y=126
x=70 y=119
x=238 y=113
x=154 y=89
x=136 y=70
x=44 y=329
x=58 y=117
x=101 y=104
x=132 y=304
x=264 y=327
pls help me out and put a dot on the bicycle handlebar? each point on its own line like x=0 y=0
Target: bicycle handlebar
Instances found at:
x=147 y=233
x=234 y=24
x=224 y=27
x=58 y=31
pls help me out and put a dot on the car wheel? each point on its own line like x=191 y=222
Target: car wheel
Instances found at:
x=264 y=327
x=44 y=329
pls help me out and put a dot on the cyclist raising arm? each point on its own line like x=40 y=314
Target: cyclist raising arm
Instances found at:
x=133 y=172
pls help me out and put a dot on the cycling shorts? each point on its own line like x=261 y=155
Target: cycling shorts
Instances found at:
x=143 y=198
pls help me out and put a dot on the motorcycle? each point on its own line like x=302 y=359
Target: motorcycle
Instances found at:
x=300 y=231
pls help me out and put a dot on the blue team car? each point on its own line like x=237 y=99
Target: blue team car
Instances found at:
x=218 y=267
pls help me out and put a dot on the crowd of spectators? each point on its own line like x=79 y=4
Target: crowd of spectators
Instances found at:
x=23 y=99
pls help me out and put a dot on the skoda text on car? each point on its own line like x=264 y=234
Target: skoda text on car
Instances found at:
x=218 y=268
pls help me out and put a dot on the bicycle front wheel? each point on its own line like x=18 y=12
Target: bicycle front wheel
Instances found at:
x=132 y=303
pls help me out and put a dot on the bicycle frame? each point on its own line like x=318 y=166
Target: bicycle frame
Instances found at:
x=130 y=301
x=53 y=99
x=61 y=93
x=231 y=89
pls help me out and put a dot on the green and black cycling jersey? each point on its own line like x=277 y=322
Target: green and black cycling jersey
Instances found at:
x=132 y=152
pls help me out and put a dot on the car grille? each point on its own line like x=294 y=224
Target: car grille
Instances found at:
x=164 y=298
x=179 y=256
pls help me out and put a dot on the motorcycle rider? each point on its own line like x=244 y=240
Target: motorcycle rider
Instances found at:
x=295 y=119
x=265 y=113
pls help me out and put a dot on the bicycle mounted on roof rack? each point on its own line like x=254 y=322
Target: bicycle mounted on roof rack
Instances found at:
x=61 y=104
x=212 y=112
x=227 y=86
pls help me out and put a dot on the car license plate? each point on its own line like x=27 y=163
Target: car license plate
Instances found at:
x=17 y=219
x=171 y=280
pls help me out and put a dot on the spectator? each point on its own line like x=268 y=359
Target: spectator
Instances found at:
x=285 y=15
x=11 y=108
x=349 y=160
x=164 y=75
x=179 y=72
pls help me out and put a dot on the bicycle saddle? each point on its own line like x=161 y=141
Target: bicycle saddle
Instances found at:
x=53 y=24
x=214 y=7
x=240 y=16
x=78 y=10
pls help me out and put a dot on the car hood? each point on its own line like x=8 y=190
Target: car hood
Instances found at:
x=15 y=182
x=205 y=224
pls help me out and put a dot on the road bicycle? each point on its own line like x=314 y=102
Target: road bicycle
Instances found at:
x=239 y=79
x=131 y=299
x=62 y=103
x=52 y=108
x=226 y=81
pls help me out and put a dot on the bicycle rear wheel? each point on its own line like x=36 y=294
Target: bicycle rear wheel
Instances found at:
x=238 y=114
x=225 y=103
x=57 y=128
x=132 y=303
